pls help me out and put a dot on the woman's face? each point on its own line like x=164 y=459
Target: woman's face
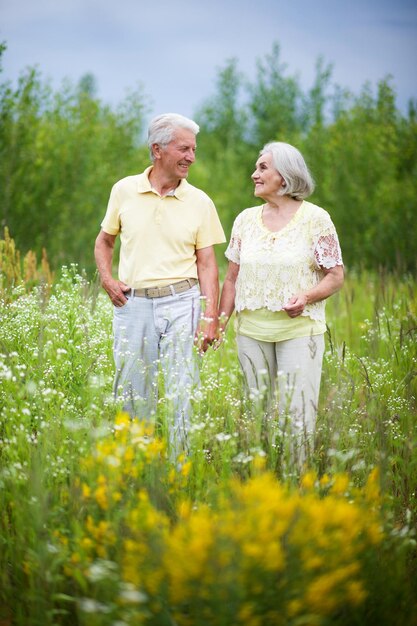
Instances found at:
x=268 y=181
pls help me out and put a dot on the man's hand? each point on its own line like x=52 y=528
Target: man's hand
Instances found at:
x=206 y=334
x=116 y=291
x=103 y=252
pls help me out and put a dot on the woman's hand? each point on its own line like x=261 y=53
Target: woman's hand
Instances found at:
x=332 y=282
x=221 y=332
x=296 y=305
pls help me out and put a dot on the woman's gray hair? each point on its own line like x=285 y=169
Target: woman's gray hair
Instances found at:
x=289 y=162
x=162 y=128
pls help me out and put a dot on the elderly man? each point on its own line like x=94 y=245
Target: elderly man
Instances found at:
x=167 y=266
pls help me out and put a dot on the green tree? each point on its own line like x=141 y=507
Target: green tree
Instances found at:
x=61 y=153
x=314 y=142
x=224 y=161
x=363 y=184
x=275 y=103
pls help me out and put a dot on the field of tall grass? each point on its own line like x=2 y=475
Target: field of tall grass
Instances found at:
x=99 y=528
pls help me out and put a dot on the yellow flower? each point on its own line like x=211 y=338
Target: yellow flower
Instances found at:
x=372 y=488
x=129 y=454
x=294 y=607
x=246 y=615
x=355 y=592
x=86 y=491
x=156 y=447
x=100 y=495
x=187 y=552
x=122 y=422
x=340 y=484
x=185 y=468
x=325 y=480
x=308 y=480
x=87 y=543
x=184 y=509
x=325 y=592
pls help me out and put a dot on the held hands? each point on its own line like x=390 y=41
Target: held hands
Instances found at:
x=206 y=334
x=210 y=332
x=296 y=305
x=221 y=331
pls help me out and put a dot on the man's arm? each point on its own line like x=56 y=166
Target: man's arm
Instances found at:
x=103 y=252
x=208 y=277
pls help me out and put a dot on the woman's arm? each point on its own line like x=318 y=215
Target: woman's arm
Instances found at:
x=330 y=283
x=227 y=299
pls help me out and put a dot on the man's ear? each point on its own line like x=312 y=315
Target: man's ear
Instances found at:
x=156 y=150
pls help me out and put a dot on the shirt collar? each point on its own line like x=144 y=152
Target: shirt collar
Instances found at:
x=144 y=185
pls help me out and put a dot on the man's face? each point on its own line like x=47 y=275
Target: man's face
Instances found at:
x=178 y=155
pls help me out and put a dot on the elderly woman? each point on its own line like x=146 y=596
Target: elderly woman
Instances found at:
x=284 y=261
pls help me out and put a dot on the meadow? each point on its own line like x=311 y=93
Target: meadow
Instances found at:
x=99 y=528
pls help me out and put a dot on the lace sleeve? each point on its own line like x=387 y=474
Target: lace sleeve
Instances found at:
x=327 y=251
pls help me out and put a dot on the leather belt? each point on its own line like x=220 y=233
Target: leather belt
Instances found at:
x=162 y=292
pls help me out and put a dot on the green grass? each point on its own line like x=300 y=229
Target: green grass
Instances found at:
x=57 y=413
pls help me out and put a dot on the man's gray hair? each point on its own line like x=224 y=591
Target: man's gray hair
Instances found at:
x=162 y=128
x=289 y=162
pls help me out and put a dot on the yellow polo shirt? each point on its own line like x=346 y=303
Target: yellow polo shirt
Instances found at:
x=160 y=235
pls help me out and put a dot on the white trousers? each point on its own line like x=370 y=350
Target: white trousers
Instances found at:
x=288 y=374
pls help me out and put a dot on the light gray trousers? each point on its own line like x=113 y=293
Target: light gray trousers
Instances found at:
x=153 y=335
x=288 y=374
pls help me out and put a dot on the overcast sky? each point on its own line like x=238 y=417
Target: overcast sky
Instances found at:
x=174 y=49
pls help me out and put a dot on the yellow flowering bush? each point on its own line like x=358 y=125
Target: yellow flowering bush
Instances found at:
x=259 y=553
x=110 y=489
x=267 y=555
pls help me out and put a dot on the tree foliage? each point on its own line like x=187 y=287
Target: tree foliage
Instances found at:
x=368 y=181
x=61 y=151
x=224 y=160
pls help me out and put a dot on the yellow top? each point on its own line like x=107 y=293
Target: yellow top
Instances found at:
x=265 y=325
x=160 y=234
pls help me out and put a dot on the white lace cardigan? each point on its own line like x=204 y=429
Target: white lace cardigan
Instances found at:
x=274 y=266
